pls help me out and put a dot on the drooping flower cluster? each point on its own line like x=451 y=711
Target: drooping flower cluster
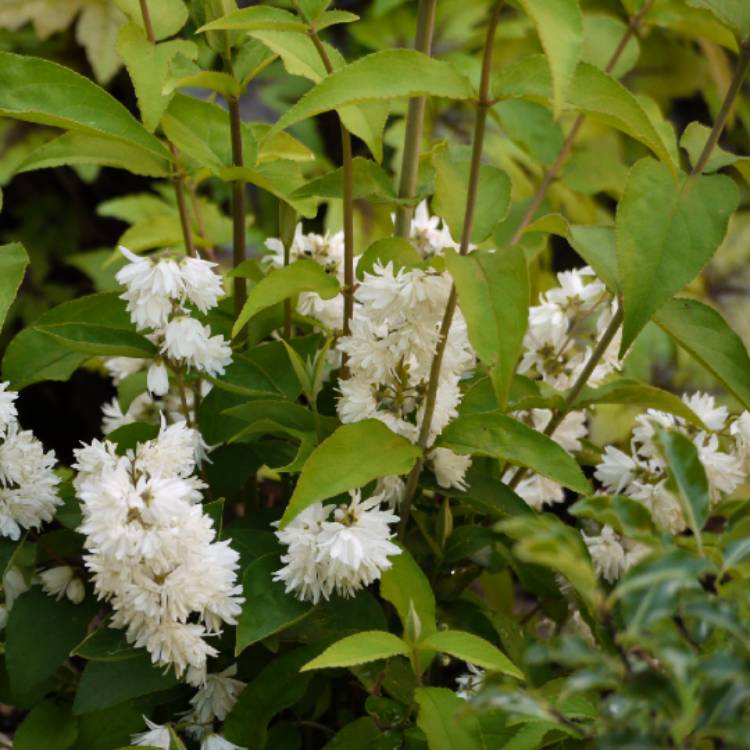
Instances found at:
x=642 y=473
x=328 y=251
x=28 y=483
x=159 y=292
x=612 y=554
x=342 y=555
x=564 y=328
x=152 y=550
x=536 y=489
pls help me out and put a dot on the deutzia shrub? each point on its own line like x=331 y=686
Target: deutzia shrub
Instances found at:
x=383 y=380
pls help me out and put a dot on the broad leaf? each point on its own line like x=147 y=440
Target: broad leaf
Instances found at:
x=559 y=24
x=666 y=232
x=282 y=283
x=267 y=608
x=47 y=726
x=626 y=516
x=734 y=13
x=707 y=337
x=73 y=149
x=637 y=394
x=406 y=587
x=601 y=36
x=443 y=718
x=396 y=250
x=97 y=340
x=471 y=649
x=591 y=91
x=688 y=479
x=499 y=436
x=109 y=683
x=41 y=91
x=148 y=65
x=360 y=648
x=451 y=187
x=693 y=140
x=264 y=18
x=167 y=16
x=13 y=262
x=391 y=74
x=353 y=456
x=493 y=293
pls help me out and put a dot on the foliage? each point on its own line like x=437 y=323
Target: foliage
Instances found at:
x=438 y=441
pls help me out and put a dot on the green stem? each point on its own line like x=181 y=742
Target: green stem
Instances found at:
x=147 y=25
x=238 y=202
x=414 y=122
x=483 y=105
x=348 y=175
x=743 y=62
x=551 y=173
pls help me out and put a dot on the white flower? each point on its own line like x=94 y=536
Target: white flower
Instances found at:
x=342 y=555
x=450 y=468
x=202 y=286
x=568 y=433
x=429 y=234
x=187 y=341
x=607 y=553
x=217 y=742
x=55 y=580
x=538 y=491
x=28 y=483
x=470 y=682
x=156 y=736
x=75 y=591
x=14 y=584
x=152 y=551
x=216 y=697
x=740 y=431
x=157 y=379
x=616 y=471
x=120 y=368
x=8 y=413
x=704 y=405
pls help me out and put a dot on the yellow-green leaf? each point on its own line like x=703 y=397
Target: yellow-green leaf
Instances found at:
x=360 y=648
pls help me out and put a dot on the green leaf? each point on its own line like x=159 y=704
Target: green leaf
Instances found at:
x=278 y=685
x=626 y=516
x=471 y=649
x=559 y=24
x=48 y=726
x=443 y=718
x=493 y=293
x=591 y=91
x=200 y=130
x=451 y=187
x=357 y=733
x=148 y=66
x=596 y=245
x=33 y=355
x=282 y=283
x=264 y=18
x=531 y=125
x=167 y=16
x=707 y=337
x=353 y=456
x=108 y=683
x=734 y=13
x=267 y=608
x=601 y=35
x=13 y=262
x=394 y=250
x=499 y=436
x=666 y=232
x=97 y=340
x=545 y=540
x=40 y=634
x=406 y=587
x=688 y=477
x=40 y=91
x=360 y=648
x=113 y=727
x=637 y=394
x=391 y=74
x=369 y=182
x=695 y=137
x=72 y=149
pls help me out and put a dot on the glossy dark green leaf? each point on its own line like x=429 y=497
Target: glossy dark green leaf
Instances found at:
x=13 y=263
x=49 y=726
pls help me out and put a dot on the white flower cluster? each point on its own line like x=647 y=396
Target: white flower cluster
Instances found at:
x=428 y=233
x=564 y=328
x=62 y=581
x=28 y=483
x=535 y=489
x=723 y=448
x=153 y=551
x=328 y=251
x=612 y=554
x=342 y=555
x=158 y=291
